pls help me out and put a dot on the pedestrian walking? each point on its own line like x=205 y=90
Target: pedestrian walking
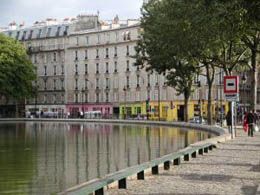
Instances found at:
x=229 y=121
x=251 y=120
x=245 y=122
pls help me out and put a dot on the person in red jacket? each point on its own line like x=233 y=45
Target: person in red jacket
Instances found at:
x=245 y=123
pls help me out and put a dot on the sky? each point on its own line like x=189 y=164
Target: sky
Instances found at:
x=29 y=11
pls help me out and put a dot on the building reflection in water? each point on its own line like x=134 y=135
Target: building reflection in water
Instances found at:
x=61 y=155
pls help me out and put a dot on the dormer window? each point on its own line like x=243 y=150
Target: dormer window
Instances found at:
x=48 y=32
x=66 y=31
x=30 y=35
x=24 y=35
x=58 y=32
x=17 y=35
x=39 y=33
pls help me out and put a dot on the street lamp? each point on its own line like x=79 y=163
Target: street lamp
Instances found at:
x=244 y=90
x=221 y=106
x=199 y=86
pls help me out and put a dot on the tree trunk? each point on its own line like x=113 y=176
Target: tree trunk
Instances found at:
x=209 y=113
x=255 y=77
x=186 y=108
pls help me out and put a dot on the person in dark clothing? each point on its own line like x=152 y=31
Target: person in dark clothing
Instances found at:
x=229 y=121
x=251 y=120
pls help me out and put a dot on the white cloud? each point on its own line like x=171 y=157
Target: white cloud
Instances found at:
x=32 y=10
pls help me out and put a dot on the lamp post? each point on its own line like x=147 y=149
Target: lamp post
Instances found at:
x=199 y=86
x=158 y=85
x=221 y=106
x=244 y=91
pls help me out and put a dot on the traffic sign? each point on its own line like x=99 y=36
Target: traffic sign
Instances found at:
x=232 y=97
x=231 y=84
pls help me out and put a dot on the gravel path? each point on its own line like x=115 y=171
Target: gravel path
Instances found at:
x=233 y=168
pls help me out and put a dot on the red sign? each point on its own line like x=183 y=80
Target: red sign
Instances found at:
x=231 y=84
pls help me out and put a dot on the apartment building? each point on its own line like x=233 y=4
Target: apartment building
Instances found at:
x=85 y=64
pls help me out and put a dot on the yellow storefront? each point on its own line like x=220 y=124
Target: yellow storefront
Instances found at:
x=169 y=110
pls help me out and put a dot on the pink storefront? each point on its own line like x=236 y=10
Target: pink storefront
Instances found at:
x=74 y=109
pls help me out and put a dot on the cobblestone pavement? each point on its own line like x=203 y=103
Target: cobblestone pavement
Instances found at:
x=232 y=168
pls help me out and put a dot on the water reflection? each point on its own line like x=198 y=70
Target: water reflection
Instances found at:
x=43 y=158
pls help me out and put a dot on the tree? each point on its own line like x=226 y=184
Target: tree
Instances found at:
x=250 y=22
x=156 y=49
x=17 y=73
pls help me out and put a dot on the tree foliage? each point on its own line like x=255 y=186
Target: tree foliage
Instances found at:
x=157 y=49
x=16 y=70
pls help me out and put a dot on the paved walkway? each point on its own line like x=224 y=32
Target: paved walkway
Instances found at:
x=233 y=168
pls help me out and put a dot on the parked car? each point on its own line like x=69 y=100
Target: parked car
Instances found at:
x=196 y=119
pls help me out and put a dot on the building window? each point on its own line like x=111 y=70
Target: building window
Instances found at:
x=115 y=66
x=45 y=70
x=127 y=50
x=97 y=68
x=39 y=33
x=86 y=97
x=86 y=54
x=86 y=68
x=30 y=35
x=76 y=55
x=107 y=97
x=66 y=31
x=24 y=35
x=54 y=56
x=77 y=40
x=45 y=84
x=54 y=98
x=76 y=69
x=76 y=84
x=35 y=58
x=54 y=84
x=45 y=99
x=137 y=81
x=127 y=82
x=107 y=53
x=17 y=35
x=97 y=53
x=97 y=97
x=62 y=69
x=127 y=66
x=76 y=98
x=116 y=36
x=87 y=40
x=62 y=98
x=107 y=67
x=58 y=32
x=127 y=36
x=62 y=84
x=148 y=80
x=48 y=32
x=86 y=84
x=107 y=83
x=98 y=39
x=115 y=51
x=97 y=83
x=54 y=69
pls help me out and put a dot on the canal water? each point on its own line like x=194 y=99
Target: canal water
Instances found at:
x=46 y=158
